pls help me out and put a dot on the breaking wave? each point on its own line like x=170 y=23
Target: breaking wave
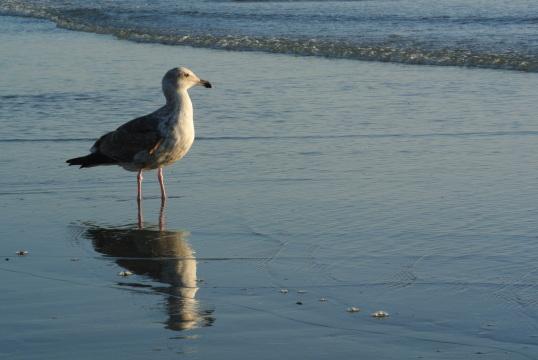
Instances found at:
x=106 y=22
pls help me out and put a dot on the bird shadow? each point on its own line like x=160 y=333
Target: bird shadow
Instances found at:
x=161 y=255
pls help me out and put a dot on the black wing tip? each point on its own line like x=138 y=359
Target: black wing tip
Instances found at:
x=90 y=161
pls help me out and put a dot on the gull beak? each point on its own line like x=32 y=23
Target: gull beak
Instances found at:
x=205 y=83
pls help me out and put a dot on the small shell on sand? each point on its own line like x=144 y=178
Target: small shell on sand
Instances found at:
x=322 y=299
x=380 y=314
x=353 y=309
x=125 y=273
x=22 y=253
x=283 y=291
x=301 y=291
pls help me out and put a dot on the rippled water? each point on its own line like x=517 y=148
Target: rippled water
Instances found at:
x=381 y=186
x=495 y=34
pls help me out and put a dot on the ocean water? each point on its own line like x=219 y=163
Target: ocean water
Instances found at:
x=408 y=189
x=498 y=34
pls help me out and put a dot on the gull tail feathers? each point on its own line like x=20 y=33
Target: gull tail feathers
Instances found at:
x=91 y=160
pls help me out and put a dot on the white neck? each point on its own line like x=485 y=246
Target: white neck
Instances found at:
x=185 y=106
x=179 y=105
x=182 y=121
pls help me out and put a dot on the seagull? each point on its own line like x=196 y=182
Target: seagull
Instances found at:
x=152 y=141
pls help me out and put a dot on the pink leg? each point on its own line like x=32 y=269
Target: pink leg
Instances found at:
x=161 y=182
x=139 y=179
x=162 y=216
x=140 y=216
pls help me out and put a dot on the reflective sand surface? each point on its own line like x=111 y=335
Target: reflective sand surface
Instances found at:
x=383 y=187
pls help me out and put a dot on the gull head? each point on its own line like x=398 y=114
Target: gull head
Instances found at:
x=181 y=78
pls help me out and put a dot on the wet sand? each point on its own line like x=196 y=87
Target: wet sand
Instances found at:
x=380 y=186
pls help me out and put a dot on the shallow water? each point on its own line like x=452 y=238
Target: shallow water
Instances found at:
x=386 y=187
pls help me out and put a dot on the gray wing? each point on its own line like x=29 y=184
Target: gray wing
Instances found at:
x=122 y=144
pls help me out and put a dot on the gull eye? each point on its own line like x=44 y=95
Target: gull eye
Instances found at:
x=186 y=75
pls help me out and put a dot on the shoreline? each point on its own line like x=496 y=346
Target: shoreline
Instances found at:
x=436 y=230
x=298 y=48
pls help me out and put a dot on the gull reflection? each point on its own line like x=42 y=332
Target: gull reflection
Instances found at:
x=162 y=255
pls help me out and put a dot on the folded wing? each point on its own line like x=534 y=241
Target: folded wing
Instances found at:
x=123 y=144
